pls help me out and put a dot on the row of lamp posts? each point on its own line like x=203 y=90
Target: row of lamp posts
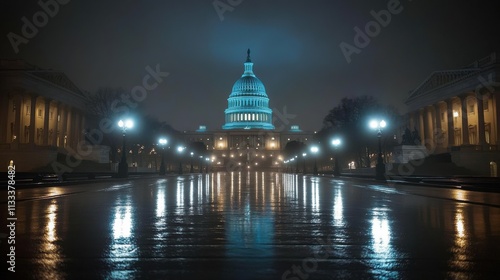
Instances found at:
x=377 y=125
x=124 y=125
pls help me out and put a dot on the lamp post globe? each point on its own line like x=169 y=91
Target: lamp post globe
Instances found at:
x=191 y=169
x=336 y=143
x=123 y=166
x=378 y=125
x=162 y=143
x=304 y=162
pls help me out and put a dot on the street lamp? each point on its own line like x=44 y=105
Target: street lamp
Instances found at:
x=380 y=167
x=180 y=149
x=336 y=143
x=207 y=159
x=191 y=169
x=304 y=162
x=162 y=142
x=314 y=151
x=123 y=166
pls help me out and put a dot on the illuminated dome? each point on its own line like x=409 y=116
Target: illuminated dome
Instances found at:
x=248 y=104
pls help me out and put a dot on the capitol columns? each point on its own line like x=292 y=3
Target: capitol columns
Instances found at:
x=422 y=125
x=449 y=120
x=46 y=121
x=465 y=120
x=480 y=118
x=32 y=128
x=64 y=118
x=438 y=132
x=56 y=123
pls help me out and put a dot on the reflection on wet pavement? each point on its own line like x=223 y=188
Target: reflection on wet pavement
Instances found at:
x=256 y=225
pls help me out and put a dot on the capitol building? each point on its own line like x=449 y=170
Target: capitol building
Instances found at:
x=249 y=138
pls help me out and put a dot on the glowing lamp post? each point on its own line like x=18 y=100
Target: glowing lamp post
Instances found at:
x=123 y=166
x=304 y=162
x=191 y=170
x=380 y=167
x=180 y=149
x=336 y=143
x=314 y=151
x=162 y=143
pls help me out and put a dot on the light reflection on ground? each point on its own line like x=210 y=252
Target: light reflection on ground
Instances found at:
x=258 y=225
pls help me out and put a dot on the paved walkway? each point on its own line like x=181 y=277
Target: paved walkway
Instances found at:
x=254 y=226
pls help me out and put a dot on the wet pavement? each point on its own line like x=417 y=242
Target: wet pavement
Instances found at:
x=253 y=225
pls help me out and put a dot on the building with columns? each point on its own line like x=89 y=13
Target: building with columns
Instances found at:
x=42 y=114
x=248 y=139
x=457 y=111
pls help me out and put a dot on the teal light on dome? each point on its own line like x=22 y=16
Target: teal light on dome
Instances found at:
x=248 y=104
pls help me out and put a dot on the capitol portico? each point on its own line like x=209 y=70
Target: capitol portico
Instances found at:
x=42 y=114
x=458 y=112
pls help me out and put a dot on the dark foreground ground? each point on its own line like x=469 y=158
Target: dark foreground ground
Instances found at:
x=253 y=225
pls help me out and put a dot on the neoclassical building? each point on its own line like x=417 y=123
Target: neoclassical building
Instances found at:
x=42 y=113
x=248 y=139
x=458 y=111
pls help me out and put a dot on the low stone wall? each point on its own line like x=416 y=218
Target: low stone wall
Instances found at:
x=28 y=160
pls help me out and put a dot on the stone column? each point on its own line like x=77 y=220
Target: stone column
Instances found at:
x=429 y=127
x=32 y=120
x=424 y=126
x=4 y=117
x=46 y=122
x=449 y=119
x=439 y=131
x=56 y=124
x=71 y=127
x=480 y=119
x=64 y=119
x=465 y=120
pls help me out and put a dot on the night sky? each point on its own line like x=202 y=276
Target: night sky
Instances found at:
x=295 y=49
